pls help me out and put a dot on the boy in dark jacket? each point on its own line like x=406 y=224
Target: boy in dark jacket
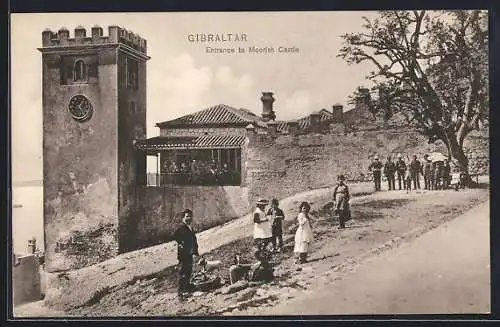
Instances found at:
x=187 y=252
x=277 y=225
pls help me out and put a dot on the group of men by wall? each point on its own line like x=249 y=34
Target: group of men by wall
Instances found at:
x=436 y=174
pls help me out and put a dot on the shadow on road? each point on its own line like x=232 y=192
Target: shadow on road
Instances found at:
x=383 y=204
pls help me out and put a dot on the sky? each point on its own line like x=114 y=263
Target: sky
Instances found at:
x=183 y=78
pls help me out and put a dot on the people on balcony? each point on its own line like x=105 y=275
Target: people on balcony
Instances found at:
x=198 y=172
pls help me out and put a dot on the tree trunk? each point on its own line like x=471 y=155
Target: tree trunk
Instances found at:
x=456 y=150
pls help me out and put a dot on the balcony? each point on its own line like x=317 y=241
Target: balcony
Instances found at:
x=228 y=178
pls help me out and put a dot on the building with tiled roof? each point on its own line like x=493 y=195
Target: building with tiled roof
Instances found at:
x=216 y=136
x=212 y=139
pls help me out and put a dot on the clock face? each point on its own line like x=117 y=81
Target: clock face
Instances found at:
x=80 y=108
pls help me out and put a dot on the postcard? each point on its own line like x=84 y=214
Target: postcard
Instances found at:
x=250 y=163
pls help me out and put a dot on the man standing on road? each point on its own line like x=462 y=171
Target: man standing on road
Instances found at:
x=401 y=170
x=376 y=168
x=187 y=252
x=262 y=230
x=415 y=170
x=389 y=171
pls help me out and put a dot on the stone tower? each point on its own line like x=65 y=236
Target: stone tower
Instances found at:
x=94 y=106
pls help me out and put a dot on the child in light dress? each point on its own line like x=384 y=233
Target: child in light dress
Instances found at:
x=303 y=235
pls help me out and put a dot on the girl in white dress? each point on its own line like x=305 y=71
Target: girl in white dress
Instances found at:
x=304 y=235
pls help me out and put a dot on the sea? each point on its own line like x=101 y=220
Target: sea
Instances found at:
x=27 y=217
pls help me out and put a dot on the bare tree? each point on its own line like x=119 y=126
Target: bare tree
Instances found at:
x=431 y=66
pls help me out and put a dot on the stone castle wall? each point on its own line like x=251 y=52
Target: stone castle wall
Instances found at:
x=26 y=279
x=288 y=164
x=160 y=210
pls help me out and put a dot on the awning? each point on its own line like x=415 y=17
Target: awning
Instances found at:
x=186 y=143
x=437 y=156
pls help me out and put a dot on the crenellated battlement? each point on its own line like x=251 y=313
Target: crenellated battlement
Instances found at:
x=80 y=37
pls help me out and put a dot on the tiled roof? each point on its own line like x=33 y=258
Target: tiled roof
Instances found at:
x=324 y=115
x=282 y=126
x=220 y=114
x=201 y=142
x=225 y=141
x=305 y=122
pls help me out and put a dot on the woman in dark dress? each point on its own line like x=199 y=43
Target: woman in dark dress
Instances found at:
x=341 y=198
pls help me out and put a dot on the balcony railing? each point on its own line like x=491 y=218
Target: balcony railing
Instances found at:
x=201 y=179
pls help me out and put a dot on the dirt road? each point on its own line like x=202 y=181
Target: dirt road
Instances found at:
x=446 y=270
x=381 y=221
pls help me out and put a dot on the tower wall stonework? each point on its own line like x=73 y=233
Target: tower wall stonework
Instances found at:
x=132 y=164
x=86 y=186
x=80 y=175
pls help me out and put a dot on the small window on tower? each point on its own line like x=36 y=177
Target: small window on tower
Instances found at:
x=80 y=71
x=132 y=73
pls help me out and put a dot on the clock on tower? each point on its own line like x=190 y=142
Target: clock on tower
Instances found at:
x=89 y=84
x=80 y=108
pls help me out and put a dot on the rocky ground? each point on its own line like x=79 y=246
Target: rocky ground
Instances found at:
x=64 y=289
x=380 y=221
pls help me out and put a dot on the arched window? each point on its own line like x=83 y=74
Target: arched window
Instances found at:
x=80 y=71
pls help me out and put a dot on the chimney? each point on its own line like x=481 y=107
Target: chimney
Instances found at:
x=32 y=246
x=251 y=133
x=315 y=116
x=337 y=110
x=293 y=127
x=272 y=128
x=267 y=106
